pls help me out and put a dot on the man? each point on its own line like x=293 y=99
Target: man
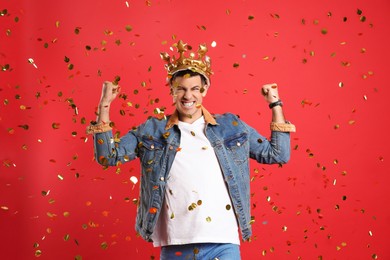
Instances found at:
x=194 y=192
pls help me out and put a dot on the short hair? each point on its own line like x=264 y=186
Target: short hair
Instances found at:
x=189 y=72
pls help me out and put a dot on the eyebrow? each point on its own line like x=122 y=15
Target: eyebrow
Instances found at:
x=196 y=86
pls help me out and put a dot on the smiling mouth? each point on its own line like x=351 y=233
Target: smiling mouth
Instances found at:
x=188 y=104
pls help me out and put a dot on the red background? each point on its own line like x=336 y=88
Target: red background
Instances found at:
x=329 y=58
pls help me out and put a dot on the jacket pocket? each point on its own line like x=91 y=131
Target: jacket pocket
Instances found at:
x=149 y=151
x=238 y=147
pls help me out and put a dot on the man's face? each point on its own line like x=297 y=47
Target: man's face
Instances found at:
x=188 y=93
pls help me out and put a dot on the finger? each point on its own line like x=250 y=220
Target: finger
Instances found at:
x=116 y=90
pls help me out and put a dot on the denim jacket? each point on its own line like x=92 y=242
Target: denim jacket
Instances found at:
x=156 y=143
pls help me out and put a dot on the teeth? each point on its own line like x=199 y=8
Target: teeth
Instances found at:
x=188 y=104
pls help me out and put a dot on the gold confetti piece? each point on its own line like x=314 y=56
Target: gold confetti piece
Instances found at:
x=172 y=216
x=3 y=12
x=341 y=84
x=38 y=253
x=204 y=148
x=5 y=67
x=104 y=245
x=192 y=133
x=199 y=202
x=66 y=214
x=166 y=135
x=284 y=228
x=60 y=177
x=45 y=193
x=77 y=30
x=31 y=61
x=251 y=17
x=364 y=97
x=55 y=125
x=228 y=207
x=236 y=65
x=374 y=256
x=208 y=219
x=66 y=237
x=370 y=233
x=51 y=215
x=324 y=31
x=128 y=28
x=5 y=208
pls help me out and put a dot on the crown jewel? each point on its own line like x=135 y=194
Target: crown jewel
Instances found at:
x=201 y=65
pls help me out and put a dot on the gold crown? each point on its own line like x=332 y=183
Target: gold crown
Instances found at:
x=201 y=65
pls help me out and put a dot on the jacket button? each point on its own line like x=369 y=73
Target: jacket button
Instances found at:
x=152 y=146
x=161 y=178
x=170 y=147
x=238 y=144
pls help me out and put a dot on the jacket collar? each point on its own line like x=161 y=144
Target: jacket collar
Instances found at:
x=174 y=118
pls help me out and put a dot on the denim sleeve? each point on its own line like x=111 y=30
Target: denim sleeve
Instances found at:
x=110 y=151
x=275 y=150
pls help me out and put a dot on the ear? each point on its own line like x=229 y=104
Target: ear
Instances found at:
x=205 y=88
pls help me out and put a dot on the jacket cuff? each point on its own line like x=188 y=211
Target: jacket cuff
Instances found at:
x=98 y=128
x=283 y=127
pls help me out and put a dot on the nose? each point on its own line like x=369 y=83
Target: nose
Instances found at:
x=187 y=94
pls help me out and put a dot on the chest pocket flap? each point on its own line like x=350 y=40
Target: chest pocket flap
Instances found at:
x=149 y=150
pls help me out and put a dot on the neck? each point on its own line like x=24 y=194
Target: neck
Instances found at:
x=190 y=118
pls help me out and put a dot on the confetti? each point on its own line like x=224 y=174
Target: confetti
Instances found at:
x=134 y=179
x=31 y=61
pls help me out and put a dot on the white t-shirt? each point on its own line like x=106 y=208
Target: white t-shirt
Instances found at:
x=197 y=207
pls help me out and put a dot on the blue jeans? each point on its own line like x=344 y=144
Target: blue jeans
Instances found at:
x=202 y=251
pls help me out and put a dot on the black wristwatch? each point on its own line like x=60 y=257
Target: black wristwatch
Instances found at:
x=276 y=103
